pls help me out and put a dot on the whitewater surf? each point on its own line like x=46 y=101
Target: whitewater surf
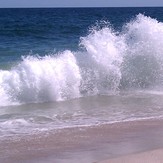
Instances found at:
x=108 y=62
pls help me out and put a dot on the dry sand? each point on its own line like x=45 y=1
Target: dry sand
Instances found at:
x=155 y=156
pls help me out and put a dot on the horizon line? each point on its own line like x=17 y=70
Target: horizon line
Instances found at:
x=81 y=7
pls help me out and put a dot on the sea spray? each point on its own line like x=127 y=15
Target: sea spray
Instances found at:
x=143 y=62
x=105 y=50
x=40 y=79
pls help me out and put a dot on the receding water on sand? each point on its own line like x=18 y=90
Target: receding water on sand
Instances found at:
x=86 y=111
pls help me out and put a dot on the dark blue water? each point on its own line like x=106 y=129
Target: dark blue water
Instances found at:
x=44 y=31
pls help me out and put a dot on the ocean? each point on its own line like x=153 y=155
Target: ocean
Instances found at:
x=78 y=67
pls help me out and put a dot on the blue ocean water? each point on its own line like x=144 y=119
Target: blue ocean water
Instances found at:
x=62 y=67
x=44 y=31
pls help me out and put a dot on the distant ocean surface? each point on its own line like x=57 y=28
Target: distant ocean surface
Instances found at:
x=69 y=67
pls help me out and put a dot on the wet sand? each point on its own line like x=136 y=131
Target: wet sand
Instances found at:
x=84 y=144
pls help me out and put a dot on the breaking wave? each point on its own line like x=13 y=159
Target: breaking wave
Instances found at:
x=108 y=62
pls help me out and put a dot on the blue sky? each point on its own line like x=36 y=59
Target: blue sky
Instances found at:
x=79 y=3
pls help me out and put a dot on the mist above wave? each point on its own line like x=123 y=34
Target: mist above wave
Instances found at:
x=108 y=62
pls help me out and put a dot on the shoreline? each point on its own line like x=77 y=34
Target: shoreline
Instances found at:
x=84 y=144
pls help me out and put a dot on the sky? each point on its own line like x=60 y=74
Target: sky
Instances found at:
x=79 y=3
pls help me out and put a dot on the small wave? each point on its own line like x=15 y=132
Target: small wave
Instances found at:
x=14 y=123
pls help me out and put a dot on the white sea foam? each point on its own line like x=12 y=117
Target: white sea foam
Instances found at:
x=143 y=63
x=41 y=79
x=108 y=62
x=14 y=123
x=105 y=50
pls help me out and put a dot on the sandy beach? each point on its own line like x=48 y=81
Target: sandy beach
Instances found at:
x=84 y=144
x=155 y=156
